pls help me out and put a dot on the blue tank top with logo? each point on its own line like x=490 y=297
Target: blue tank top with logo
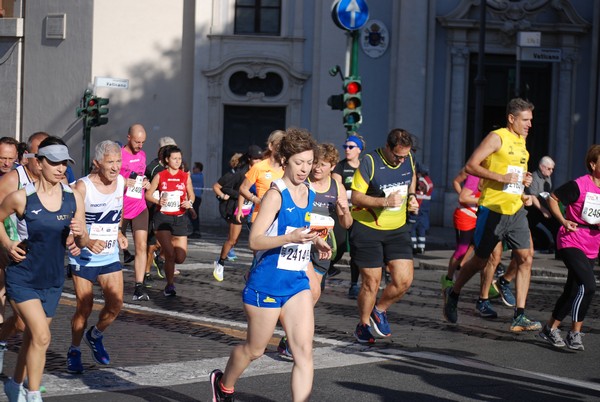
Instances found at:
x=47 y=232
x=281 y=271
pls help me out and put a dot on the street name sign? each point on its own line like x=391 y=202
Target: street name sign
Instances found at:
x=120 y=83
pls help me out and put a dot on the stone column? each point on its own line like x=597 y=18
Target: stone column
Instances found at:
x=564 y=126
x=456 y=134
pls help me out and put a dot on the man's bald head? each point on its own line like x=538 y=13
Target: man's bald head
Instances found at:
x=136 y=136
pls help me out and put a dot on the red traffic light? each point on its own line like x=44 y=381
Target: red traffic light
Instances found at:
x=91 y=102
x=353 y=88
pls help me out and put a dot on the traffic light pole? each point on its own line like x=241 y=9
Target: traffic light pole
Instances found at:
x=354 y=54
x=93 y=111
x=86 y=153
x=351 y=16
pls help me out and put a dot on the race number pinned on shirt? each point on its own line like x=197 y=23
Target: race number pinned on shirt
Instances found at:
x=136 y=190
x=109 y=232
x=518 y=187
x=591 y=209
x=294 y=256
x=173 y=199
x=402 y=189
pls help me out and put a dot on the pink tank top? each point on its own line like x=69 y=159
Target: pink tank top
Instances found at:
x=584 y=211
x=134 y=202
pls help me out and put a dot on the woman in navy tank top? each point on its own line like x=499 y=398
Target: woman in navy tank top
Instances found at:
x=55 y=218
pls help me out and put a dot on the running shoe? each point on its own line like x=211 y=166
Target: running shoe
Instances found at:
x=231 y=255
x=34 y=397
x=128 y=257
x=139 y=293
x=74 y=365
x=552 y=336
x=379 y=323
x=218 y=394
x=218 y=271
x=284 y=349
x=363 y=334
x=170 y=291
x=446 y=283
x=98 y=352
x=485 y=310
x=148 y=281
x=574 y=341
x=15 y=392
x=450 y=306
x=159 y=264
x=176 y=272
x=521 y=323
x=3 y=349
x=500 y=270
x=353 y=291
x=493 y=293
x=505 y=293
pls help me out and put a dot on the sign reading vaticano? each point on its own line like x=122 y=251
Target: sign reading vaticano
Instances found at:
x=108 y=82
x=547 y=54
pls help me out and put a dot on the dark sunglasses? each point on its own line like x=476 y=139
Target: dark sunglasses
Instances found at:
x=349 y=146
x=400 y=158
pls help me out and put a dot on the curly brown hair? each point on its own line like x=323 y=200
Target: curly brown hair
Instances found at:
x=295 y=141
x=329 y=153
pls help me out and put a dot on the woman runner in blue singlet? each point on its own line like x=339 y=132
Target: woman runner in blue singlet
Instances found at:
x=278 y=287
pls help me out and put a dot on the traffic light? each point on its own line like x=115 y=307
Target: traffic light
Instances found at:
x=95 y=111
x=336 y=102
x=102 y=111
x=82 y=110
x=352 y=103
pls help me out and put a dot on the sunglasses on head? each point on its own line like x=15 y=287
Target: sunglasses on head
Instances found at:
x=349 y=146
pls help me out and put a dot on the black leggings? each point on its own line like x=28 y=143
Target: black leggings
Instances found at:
x=343 y=244
x=580 y=287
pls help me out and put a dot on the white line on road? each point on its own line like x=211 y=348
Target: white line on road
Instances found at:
x=338 y=354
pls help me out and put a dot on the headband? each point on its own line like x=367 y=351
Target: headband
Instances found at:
x=356 y=140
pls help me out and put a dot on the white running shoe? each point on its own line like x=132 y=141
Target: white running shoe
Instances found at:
x=218 y=271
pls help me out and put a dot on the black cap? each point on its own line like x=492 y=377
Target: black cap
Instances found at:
x=254 y=152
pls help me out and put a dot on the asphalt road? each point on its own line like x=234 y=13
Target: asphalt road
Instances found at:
x=164 y=349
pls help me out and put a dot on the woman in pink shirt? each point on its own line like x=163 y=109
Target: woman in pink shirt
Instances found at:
x=577 y=242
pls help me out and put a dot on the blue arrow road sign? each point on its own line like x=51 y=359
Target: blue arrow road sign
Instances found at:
x=352 y=14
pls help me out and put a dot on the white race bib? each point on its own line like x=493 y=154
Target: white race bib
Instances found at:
x=402 y=189
x=591 y=209
x=136 y=190
x=109 y=232
x=294 y=256
x=518 y=187
x=173 y=201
